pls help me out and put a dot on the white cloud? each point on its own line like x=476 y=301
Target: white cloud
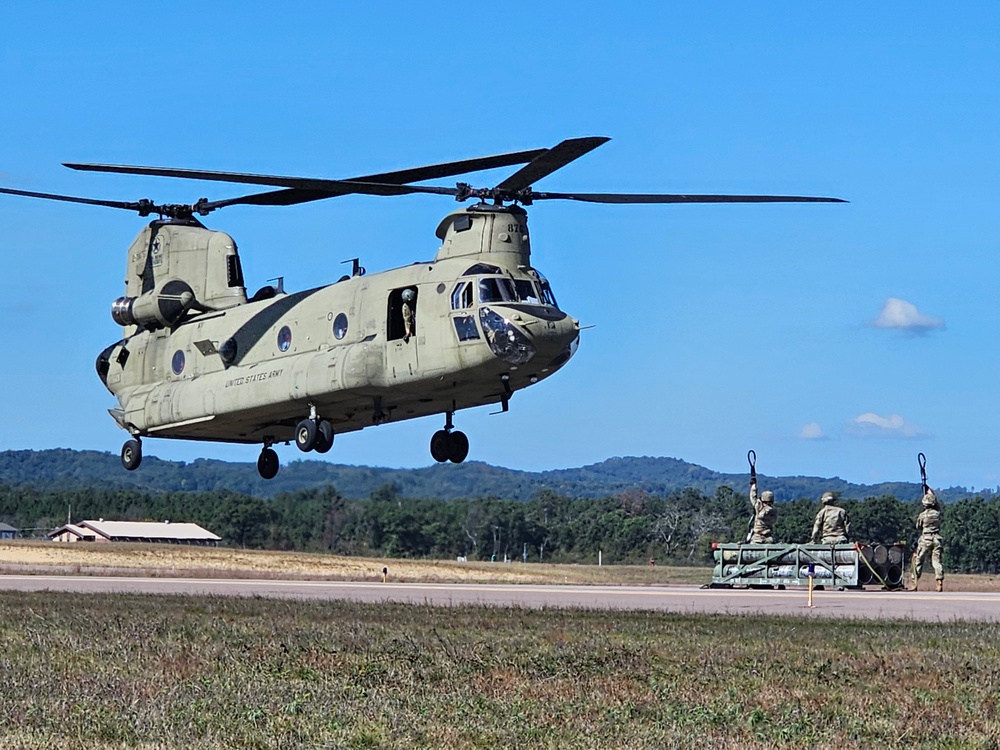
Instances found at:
x=869 y=425
x=812 y=431
x=901 y=315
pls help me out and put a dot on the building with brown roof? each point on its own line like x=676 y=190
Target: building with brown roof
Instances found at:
x=134 y=531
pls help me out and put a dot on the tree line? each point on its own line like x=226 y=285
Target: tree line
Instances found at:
x=630 y=527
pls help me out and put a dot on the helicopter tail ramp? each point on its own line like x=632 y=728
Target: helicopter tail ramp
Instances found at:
x=779 y=565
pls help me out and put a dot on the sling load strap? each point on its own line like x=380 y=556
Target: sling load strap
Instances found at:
x=869 y=566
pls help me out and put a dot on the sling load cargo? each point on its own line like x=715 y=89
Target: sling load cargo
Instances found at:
x=848 y=566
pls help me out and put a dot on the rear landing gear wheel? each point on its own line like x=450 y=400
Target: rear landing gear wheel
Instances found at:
x=305 y=435
x=267 y=464
x=459 y=447
x=131 y=454
x=449 y=446
x=324 y=437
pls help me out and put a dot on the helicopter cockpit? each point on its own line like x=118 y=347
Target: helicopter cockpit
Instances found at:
x=502 y=299
x=493 y=286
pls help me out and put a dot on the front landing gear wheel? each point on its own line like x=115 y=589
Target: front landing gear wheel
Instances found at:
x=441 y=446
x=267 y=464
x=131 y=454
x=305 y=435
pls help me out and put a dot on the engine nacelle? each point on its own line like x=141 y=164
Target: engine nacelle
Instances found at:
x=160 y=307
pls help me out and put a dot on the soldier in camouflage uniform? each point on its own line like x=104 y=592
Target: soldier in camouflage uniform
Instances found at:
x=832 y=524
x=409 y=297
x=764 y=515
x=929 y=526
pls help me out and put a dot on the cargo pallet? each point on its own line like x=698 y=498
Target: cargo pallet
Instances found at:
x=848 y=566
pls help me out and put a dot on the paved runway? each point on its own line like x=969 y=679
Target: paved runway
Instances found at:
x=946 y=606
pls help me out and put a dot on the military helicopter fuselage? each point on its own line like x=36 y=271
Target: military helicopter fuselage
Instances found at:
x=483 y=325
x=199 y=360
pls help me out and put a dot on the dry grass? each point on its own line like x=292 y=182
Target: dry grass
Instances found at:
x=215 y=562
x=178 y=560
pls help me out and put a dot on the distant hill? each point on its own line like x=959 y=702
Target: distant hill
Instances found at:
x=69 y=469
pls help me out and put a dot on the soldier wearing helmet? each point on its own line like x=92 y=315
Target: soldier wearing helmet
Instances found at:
x=764 y=515
x=832 y=524
x=409 y=316
x=929 y=527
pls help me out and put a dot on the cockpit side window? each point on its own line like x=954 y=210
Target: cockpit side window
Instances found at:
x=461 y=298
x=548 y=297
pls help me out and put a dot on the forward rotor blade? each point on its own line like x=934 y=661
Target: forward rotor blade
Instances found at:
x=661 y=198
x=527 y=196
x=549 y=161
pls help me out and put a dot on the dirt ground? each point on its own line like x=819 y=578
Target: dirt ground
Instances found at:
x=100 y=558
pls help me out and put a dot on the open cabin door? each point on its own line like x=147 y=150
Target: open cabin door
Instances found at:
x=402 y=332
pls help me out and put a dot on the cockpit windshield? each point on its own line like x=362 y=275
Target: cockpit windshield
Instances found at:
x=506 y=289
x=496 y=290
x=526 y=291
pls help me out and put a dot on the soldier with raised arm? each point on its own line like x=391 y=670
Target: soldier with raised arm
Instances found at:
x=764 y=514
x=929 y=527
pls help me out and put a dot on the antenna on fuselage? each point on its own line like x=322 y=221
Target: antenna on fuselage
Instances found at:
x=356 y=268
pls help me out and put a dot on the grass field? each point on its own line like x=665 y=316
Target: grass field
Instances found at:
x=122 y=671
x=132 y=671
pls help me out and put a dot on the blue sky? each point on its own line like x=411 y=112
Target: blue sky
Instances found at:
x=832 y=339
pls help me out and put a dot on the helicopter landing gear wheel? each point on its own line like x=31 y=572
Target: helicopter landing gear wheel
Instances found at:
x=449 y=446
x=267 y=464
x=459 y=447
x=441 y=446
x=324 y=436
x=305 y=435
x=132 y=454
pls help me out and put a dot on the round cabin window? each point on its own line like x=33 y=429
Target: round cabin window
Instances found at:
x=177 y=363
x=228 y=351
x=340 y=326
x=284 y=338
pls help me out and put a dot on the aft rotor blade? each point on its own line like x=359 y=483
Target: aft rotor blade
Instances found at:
x=549 y=161
x=330 y=187
x=129 y=206
x=666 y=198
x=294 y=196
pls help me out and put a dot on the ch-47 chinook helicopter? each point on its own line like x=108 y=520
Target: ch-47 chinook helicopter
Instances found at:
x=200 y=360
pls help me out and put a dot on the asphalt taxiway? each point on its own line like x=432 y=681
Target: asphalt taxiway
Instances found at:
x=870 y=604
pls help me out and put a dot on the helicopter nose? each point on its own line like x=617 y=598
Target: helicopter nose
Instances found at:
x=517 y=337
x=555 y=341
x=558 y=343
